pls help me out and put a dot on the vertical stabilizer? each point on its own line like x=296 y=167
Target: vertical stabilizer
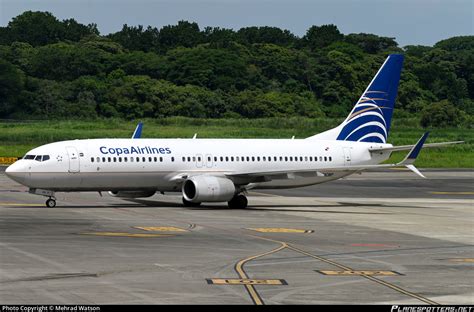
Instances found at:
x=369 y=120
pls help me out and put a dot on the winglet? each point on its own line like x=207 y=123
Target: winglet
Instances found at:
x=413 y=154
x=138 y=131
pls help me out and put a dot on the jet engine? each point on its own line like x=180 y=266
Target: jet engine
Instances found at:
x=132 y=194
x=203 y=188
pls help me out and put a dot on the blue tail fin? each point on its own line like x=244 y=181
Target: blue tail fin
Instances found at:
x=369 y=120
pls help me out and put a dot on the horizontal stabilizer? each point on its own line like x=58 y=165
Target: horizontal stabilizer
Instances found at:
x=409 y=147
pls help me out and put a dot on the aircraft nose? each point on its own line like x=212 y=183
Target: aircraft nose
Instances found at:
x=16 y=172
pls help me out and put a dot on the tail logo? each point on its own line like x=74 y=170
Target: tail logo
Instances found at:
x=367 y=122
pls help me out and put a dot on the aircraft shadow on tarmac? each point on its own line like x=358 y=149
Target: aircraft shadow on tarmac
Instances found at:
x=276 y=208
x=142 y=203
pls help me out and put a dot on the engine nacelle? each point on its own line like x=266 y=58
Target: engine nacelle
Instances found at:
x=203 y=188
x=131 y=194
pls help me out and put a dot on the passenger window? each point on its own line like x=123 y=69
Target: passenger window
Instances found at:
x=258 y=158
x=103 y=159
x=208 y=158
x=161 y=159
x=155 y=159
x=138 y=159
x=232 y=158
x=98 y=159
x=120 y=159
x=109 y=159
x=199 y=159
x=236 y=158
x=131 y=159
x=286 y=158
x=291 y=158
x=184 y=159
x=125 y=159
x=281 y=158
x=248 y=158
x=330 y=158
x=92 y=159
x=310 y=158
x=226 y=158
x=215 y=158
x=143 y=159
x=269 y=159
x=301 y=158
x=189 y=158
x=320 y=158
x=253 y=158
x=325 y=158
x=172 y=159
x=115 y=159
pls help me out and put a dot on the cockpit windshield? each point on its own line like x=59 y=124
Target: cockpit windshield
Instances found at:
x=37 y=157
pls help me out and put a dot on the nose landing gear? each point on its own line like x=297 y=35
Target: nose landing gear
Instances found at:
x=51 y=203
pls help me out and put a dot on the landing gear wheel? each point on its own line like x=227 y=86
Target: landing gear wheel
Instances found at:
x=187 y=203
x=51 y=203
x=238 y=202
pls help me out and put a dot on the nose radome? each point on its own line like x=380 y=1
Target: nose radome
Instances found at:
x=9 y=170
x=14 y=173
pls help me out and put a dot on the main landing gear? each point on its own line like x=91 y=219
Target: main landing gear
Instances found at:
x=238 y=202
x=187 y=203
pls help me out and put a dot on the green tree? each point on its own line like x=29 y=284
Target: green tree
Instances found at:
x=372 y=43
x=441 y=114
x=12 y=82
x=184 y=34
x=273 y=35
x=318 y=37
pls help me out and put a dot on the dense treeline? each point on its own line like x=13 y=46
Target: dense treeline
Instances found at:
x=63 y=69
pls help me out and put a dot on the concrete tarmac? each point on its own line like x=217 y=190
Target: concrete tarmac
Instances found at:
x=381 y=237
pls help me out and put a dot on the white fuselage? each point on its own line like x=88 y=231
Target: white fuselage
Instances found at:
x=161 y=164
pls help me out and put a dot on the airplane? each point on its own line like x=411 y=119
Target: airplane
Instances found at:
x=223 y=170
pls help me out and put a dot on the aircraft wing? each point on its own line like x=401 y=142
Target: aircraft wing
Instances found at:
x=278 y=174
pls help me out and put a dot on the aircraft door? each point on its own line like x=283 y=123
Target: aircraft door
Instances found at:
x=73 y=159
x=347 y=156
x=208 y=160
x=199 y=161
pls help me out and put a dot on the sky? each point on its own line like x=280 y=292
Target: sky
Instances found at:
x=418 y=22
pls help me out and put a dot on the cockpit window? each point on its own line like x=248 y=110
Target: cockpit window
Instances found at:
x=37 y=157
